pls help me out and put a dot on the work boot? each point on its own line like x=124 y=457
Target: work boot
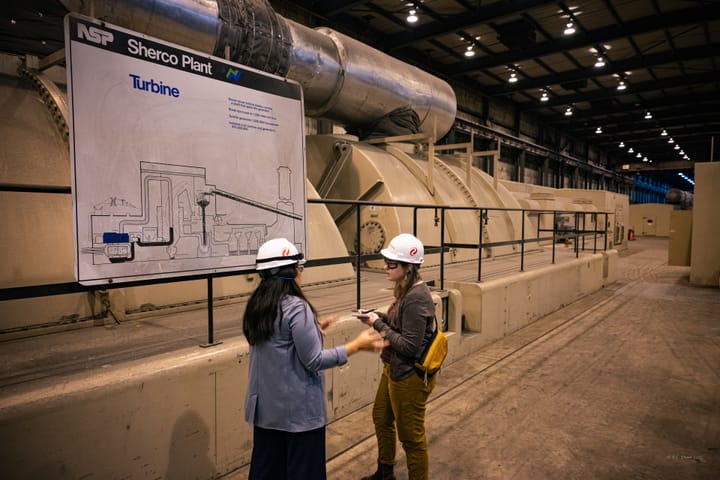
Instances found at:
x=384 y=472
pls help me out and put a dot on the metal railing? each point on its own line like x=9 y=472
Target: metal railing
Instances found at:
x=357 y=258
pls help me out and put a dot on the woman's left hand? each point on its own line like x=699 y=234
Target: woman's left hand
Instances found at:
x=326 y=323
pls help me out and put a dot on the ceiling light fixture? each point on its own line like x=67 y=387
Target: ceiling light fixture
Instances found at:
x=599 y=62
x=621 y=86
x=671 y=140
x=630 y=150
x=639 y=155
x=677 y=147
x=682 y=152
x=648 y=115
x=622 y=145
x=470 y=52
x=568 y=111
x=598 y=130
x=569 y=29
x=513 y=78
x=544 y=97
x=645 y=159
x=663 y=133
x=412 y=17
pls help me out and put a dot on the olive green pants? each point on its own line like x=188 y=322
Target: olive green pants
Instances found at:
x=399 y=409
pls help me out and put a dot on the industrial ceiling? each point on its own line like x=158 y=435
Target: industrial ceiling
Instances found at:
x=666 y=53
x=566 y=57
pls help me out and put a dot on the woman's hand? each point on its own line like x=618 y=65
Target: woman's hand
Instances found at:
x=368 y=340
x=368 y=317
x=326 y=323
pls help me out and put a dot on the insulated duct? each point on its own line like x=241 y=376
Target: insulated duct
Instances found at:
x=342 y=79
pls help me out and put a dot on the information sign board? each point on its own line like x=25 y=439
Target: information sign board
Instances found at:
x=182 y=163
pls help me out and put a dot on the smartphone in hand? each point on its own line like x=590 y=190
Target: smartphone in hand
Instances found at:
x=363 y=313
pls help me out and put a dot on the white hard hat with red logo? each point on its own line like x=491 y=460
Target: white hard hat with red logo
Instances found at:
x=404 y=248
x=277 y=253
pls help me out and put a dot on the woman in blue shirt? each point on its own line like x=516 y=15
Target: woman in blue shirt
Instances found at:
x=285 y=401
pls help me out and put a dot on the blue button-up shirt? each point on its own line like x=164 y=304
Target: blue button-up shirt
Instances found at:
x=286 y=388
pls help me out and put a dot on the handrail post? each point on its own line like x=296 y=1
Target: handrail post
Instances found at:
x=211 y=341
x=415 y=214
x=554 y=236
x=595 y=232
x=442 y=248
x=480 y=242
x=605 y=227
x=358 y=301
x=522 y=241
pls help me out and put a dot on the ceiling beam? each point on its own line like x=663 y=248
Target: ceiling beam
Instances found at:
x=644 y=166
x=620 y=66
x=649 y=86
x=654 y=106
x=461 y=21
x=603 y=34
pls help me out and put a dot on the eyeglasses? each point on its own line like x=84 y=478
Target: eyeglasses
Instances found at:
x=391 y=265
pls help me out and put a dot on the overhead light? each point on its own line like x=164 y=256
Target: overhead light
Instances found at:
x=639 y=155
x=622 y=145
x=682 y=152
x=630 y=150
x=599 y=62
x=513 y=78
x=648 y=115
x=664 y=133
x=686 y=178
x=544 y=97
x=598 y=130
x=671 y=140
x=686 y=157
x=412 y=17
x=645 y=159
x=677 y=147
x=569 y=29
x=470 y=52
x=568 y=111
x=621 y=86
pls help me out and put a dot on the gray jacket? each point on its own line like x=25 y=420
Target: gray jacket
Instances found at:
x=408 y=326
x=286 y=388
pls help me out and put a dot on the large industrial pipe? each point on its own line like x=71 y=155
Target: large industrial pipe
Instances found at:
x=342 y=79
x=676 y=196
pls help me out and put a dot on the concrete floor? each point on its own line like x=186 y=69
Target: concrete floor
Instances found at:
x=623 y=384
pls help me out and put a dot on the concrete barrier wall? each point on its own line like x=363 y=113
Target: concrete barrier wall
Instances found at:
x=610 y=267
x=499 y=307
x=181 y=414
x=177 y=415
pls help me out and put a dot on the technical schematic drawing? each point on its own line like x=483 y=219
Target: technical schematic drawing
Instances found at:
x=183 y=217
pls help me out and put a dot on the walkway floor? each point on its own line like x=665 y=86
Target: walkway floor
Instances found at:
x=623 y=384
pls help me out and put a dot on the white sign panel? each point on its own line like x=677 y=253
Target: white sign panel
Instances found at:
x=182 y=163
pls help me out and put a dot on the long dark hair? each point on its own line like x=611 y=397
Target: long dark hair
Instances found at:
x=412 y=275
x=264 y=304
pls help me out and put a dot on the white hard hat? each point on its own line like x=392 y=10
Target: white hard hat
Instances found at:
x=404 y=248
x=277 y=253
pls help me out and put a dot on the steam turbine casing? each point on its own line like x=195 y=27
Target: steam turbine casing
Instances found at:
x=342 y=79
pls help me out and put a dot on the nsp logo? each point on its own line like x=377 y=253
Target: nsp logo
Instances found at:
x=94 y=34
